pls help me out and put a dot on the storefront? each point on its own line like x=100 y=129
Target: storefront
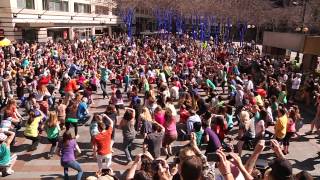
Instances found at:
x=58 y=34
x=29 y=35
x=82 y=33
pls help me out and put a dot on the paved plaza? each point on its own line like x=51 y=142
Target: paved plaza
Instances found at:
x=304 y=152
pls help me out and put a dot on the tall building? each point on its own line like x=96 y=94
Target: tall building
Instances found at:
x=41 y=20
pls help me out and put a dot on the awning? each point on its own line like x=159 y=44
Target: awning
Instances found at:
x=35 y=25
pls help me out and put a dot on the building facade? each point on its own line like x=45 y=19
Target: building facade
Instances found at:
x=42 y=20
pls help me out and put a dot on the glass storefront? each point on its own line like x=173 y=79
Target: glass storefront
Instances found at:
x=82 y=33
x=29 y=35
x=58 y=34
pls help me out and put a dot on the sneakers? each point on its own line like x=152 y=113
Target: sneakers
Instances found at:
x=9 y=171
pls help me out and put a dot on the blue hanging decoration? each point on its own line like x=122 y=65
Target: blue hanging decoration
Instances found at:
x=159 y=17
x=201 y=20
x=208 y=28
x=179 y=25
x=194 y=33
x=217 y=33
x=242 y=31
x=227 y=31
x=199 y=27
x=127 y=17
x=170 y=22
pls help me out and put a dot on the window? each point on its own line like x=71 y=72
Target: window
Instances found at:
x=54 y=5
x=82 y=8
x=102 y=10
x=27 y=4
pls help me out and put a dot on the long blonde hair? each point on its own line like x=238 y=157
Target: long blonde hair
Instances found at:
x=146 y=115
x=245 y=119
x=53 y=119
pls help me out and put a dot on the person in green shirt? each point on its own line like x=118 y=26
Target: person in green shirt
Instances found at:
x=146 y=85
x=6 y=160
x=53 y=129
x=210 y=84
x=105 y=72
x=198 y=132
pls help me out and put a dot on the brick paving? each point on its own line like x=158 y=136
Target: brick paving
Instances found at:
x=304 y=154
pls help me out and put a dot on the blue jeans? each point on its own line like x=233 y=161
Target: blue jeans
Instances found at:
x=127 y=148
x=103 y=85
x=74 y=165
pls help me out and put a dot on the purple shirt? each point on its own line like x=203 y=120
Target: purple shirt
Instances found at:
x=214 y=142
x=67 y=152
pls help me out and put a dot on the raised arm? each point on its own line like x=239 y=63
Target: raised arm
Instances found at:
x=109 y=119
x=162 y=128
x=133 y=168
x=10 y=137
x=251 y=162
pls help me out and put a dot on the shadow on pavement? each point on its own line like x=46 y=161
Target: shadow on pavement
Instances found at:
x=307 y=164
x=51 y=176
x=30 y=157
x=120 y=159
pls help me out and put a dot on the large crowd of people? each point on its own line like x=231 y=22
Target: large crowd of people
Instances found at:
x=218 y=99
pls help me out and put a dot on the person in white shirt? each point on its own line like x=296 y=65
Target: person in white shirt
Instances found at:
x=249 y=84
x=296 y=81
x=192 y=119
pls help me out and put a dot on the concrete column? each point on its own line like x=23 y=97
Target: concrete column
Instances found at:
x=71 y=33
x=11 y=32
x=110 y=31
x=309 y=63
x=42 y=35
x=93 y=8
x=38 y=5
x=93 y=31
x=71 y=6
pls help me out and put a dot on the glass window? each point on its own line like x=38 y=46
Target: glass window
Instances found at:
x=102 y=10
x=27 y=4
x=82 y=8
x=54 y=5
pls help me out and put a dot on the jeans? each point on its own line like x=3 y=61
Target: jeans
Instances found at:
x=53 y=145
x=126 y=87
x=103 y=85
x=127 y=148
x=85 y=118
x=73 y=165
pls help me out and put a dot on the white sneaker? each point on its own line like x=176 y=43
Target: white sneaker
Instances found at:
x=10 y=171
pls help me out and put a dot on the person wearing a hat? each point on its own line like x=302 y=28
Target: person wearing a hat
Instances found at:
x=6 y=159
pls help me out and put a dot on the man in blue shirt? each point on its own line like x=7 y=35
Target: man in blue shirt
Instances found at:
x=83 y=111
